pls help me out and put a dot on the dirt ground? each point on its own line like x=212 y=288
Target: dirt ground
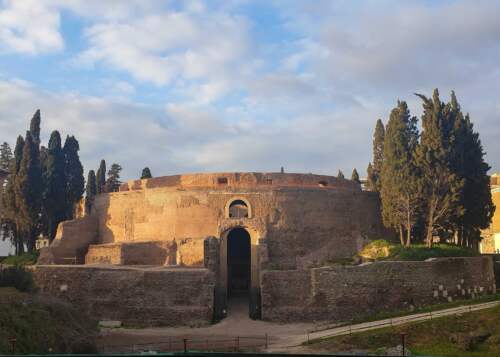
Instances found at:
x=220 y=336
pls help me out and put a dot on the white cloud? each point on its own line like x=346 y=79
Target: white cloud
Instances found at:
x=170 y=45
x=30 y=27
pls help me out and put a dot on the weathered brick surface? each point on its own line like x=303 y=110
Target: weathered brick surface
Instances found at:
x=342 y=292
x=136 y=296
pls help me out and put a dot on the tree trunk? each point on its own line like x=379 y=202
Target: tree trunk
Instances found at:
x=408 y=223
x=401 y=239
x=430 y=224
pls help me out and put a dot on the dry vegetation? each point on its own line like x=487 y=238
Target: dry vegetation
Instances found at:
x=40 y=324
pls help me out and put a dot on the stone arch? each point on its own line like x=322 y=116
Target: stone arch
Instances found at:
x=239 y=203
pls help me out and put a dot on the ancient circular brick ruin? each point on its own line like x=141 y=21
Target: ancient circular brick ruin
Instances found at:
x=252 y=233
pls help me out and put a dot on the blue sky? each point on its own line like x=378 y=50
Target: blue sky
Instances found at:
x=194 y=86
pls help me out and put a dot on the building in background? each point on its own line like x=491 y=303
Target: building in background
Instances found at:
x=491 y=237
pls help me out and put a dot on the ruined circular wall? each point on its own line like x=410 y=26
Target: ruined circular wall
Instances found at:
x=302 y=219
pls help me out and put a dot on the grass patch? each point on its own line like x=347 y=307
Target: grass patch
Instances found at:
x=23 y=259
x=471 y=334
x=385 y=250
x=43 y=325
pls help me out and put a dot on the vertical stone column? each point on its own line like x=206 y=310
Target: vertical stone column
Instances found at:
x=211 y=248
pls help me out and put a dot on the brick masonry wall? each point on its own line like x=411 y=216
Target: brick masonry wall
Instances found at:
x=302 y=227
x=339 y=293
x=145 y=297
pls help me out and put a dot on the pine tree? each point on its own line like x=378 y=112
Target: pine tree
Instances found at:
x=35 y=128
x=90 y=190
x=113 y=182
x=355 y=176
x=101 y=177
x=399 y=177
x=10 y=217
x=73 y=172
x=378 y=154
x=146 y=173
x=5 y=156
x=28 y=191
x=440 y=185
x=54 y=197
x=340 y=175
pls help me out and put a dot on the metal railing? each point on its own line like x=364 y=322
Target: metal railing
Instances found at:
x=184 y=344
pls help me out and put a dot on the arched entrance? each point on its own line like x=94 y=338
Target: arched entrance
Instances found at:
x=238 y=262
x=238 y=280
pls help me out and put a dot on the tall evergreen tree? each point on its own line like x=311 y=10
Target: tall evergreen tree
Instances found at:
x=146 y=173
x=469 y=165
x=378 y=155
x=355 y=176
x=28 y=191
x=370 y=181
x=399 y=177
x=440 y=185
x=10 y=217
x=101 y=177
x=90 y=190
x=73 y=172
x=340 y=175
x=113 y=182
x=35 y=128
x=54 y=198
x=5 y=156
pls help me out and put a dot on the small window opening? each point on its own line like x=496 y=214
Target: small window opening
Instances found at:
x=222 y=180
x=238 y=209
x=323 y=184
x=269 y=181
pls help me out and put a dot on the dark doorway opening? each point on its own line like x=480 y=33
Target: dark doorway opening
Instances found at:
x=238 y=262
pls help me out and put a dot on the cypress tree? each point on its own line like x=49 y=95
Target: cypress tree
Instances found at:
x=54 y=198
x=10 y=217
x=35 y=128
x=399 y=177
x=73 y=171
x=355 y=176
x=90 y=190
x=113 y=182
x=370 y=184
x=340 y=175
x=469 y=165
x=5 y=156
x=28 y=191
x=440 y=185
x=146 y=173
x=378 y=154
x=101 y=177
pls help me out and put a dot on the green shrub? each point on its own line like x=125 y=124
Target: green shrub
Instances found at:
x=377 y=249
x=17 y=277
x=23 y=259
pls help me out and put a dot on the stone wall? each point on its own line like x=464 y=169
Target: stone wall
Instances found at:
x=241 y=180
x=135 y=296
x=185 y=253
x=71 y=242
x=339 y=293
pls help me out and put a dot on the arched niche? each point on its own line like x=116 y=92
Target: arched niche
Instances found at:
x=238 y=208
